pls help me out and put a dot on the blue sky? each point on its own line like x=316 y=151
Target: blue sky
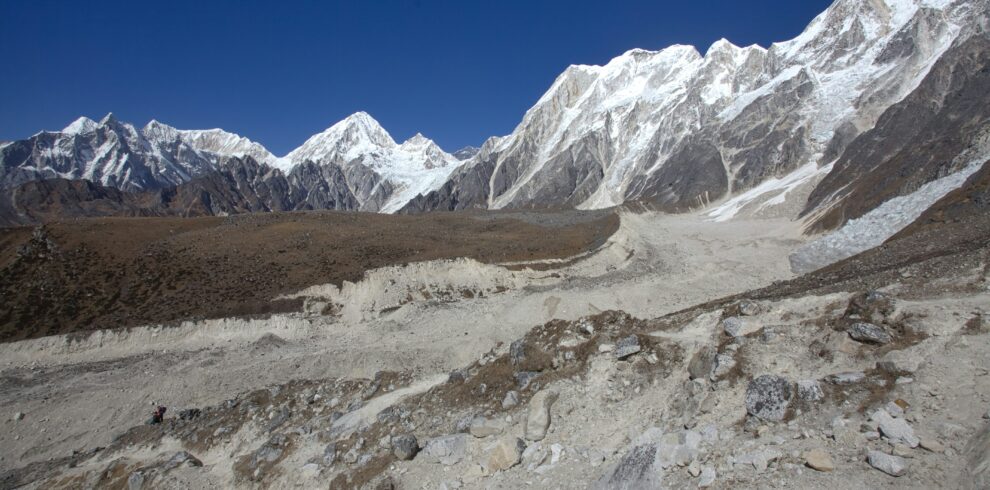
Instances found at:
x=277 y=72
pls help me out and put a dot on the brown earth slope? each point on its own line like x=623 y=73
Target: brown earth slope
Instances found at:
x=120 y=272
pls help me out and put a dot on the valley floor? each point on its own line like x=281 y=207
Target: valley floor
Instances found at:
x=379 y=353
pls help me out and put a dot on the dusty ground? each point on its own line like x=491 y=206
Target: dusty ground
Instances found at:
x=652 y=265
x=429 y=319
x=100 y=273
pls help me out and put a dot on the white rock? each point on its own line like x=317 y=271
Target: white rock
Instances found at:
x=511 y=399
x=482 y=427
x=446 y=450
x=896 y=430
x=889 y=464
x=708 y=476
x=506 y=454
x=538 y=415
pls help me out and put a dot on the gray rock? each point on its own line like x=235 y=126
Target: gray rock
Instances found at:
x=517 y=352
x=810 y=390
x=638 y=469
x=869 y=333
x=732 y=326
x=887 y=463
x=483 y=427
x=524 y=378
x=749 y=308
x=182 y=458
x=724 y=363
x=768 y=397
x=511 y=399
x=702 y=363
x=330 y=454
x=538 y=415
x=977 y=460
x=846 y=378
x=446 y=450
x=627 y=346
x=135 y=481
x=506 y=454
x=760 y=458
x=18 y=415
x=898 y=431
x=707 y=478
x=405 y=446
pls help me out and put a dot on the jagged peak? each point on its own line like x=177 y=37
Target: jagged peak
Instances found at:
x=80 y=126
x=109 y=119
x=418 y=140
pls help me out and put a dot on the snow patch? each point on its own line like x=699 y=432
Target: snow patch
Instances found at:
x=875 y=227
x=773 y=191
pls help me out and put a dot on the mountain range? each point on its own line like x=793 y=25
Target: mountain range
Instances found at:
x=873 y=100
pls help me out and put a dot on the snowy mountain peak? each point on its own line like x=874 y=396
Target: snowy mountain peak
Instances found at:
x=355 y=136
x=109 y=119
x=417 y=140
x=157 y=131
x=80 y=126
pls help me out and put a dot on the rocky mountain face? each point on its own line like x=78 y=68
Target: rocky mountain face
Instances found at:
x=874 y=94
x=680 y=130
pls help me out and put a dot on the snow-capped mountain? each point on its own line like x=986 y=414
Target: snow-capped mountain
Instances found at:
x=116 y=154
x=681 y=130
x=353 y=165
x=738 y=128
x=108 y=152
x=388 y=175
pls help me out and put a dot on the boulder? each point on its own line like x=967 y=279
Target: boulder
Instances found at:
x=749 y=308
x=818 y=459
x=446 y=450
x=707 y=478
x=538 y=415
x=723 y=364
x=483 y=427
x=506 y=453
x=898 y=431
x=869 y=333
x=517 y=352
x=887 y=463
x=511 y=399
x=977 y=459
x=405 y=446
x=638 y=469
x=810 y=390
x=768 y=397
x=735 y=326
x=702 y=363
x=627 y=346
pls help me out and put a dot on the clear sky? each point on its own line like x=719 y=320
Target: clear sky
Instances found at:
x=277 y=72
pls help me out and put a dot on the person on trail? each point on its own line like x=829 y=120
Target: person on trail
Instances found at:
x=158 y=416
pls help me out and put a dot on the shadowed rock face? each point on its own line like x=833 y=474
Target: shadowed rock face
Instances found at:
x=933 y=132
